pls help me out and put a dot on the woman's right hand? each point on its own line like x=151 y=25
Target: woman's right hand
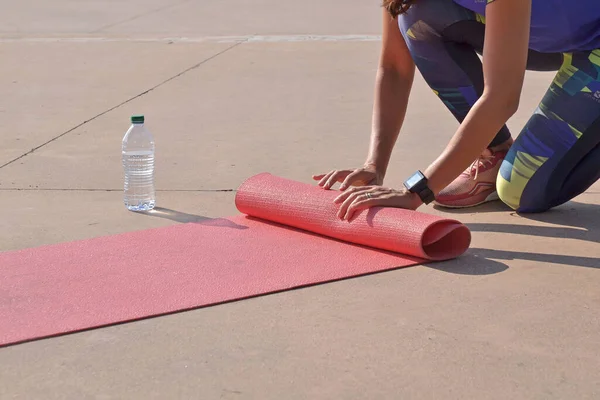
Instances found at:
x=365 y=176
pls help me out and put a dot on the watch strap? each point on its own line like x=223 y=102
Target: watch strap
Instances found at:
x=420 y=188
x=426 y=195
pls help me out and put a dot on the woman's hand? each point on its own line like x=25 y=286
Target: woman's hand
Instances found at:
x=360 y=198
x=367 y=175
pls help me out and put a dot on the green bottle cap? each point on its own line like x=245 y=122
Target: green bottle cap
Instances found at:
x=137 y=119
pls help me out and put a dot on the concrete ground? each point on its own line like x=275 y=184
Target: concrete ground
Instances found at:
x=230 y=89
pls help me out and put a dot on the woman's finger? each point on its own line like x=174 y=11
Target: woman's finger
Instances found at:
x=318 y=177
x=334 y=178
x=356 y=195
x=344 y=195
x=360 y=205
x=350 y=179
x=376 y=197
x=325 y=178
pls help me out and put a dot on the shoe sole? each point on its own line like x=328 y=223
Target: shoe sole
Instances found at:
x=491 y=197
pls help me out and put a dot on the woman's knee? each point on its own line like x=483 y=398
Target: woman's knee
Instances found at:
x=507 y=192
x=511 y=187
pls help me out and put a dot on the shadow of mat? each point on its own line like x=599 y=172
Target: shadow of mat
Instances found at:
x=470 y=263
x=578 y=221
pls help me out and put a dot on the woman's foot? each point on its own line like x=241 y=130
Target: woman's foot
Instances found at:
x=477 y=184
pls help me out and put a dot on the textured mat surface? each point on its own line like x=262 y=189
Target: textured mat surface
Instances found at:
x=69 y=287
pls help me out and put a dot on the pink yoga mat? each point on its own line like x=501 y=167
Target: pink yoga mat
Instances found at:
x=287 y=237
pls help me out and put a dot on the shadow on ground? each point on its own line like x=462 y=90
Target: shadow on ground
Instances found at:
x=176 y=216
x=578 y=221
x=470 y=263
x=184 y=218
x=573 y=220
x=486 y=208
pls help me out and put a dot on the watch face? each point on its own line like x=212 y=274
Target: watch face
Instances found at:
x=415 y=179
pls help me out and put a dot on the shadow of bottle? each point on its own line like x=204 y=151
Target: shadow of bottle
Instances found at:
x=185 y=218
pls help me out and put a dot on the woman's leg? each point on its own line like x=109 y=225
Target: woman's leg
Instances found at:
x=444 y=40
x=557 y=155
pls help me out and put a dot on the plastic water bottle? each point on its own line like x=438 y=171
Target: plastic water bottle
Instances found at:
x=138 y=162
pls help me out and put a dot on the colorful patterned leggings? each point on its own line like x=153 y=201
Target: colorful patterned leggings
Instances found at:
x=557 y=154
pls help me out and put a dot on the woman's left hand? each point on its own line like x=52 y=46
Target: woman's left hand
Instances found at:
x=360 y=198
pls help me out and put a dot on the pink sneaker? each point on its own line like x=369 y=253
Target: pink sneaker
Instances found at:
x=476 y=185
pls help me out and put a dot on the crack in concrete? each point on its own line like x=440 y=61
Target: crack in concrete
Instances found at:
x=193 y=67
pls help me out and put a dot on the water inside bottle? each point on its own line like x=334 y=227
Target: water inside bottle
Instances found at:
x=139 y=180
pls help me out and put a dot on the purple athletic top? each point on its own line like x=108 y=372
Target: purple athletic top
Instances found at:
x=557 y=25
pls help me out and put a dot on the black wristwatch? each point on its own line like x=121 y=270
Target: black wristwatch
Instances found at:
x=417 y=183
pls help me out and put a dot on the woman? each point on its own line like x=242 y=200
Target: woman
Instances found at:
x=557 y=155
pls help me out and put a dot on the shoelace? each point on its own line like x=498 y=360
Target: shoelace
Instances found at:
x=478 y=163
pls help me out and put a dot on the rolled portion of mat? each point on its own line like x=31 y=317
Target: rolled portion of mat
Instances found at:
x=311 y=208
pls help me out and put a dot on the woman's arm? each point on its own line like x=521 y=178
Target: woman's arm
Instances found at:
x=504 y=65
x=392 y=89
